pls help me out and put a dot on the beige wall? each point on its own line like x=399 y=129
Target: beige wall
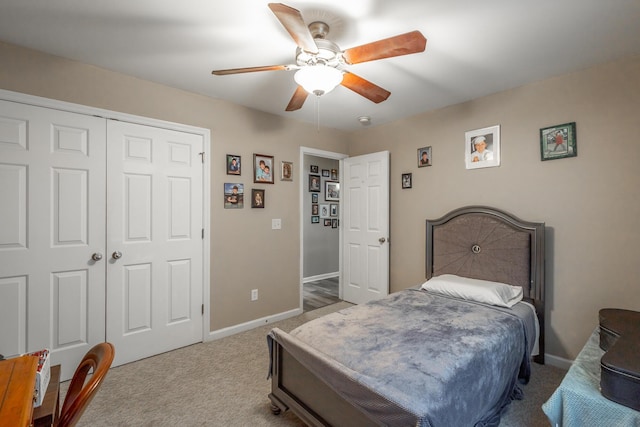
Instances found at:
x=245 y=253
x=590 y=203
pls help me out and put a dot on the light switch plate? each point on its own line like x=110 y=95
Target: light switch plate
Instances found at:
x=276 y=224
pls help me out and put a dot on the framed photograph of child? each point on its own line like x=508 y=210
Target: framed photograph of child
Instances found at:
x=233 y=195
x=263 y=169
x=482 y=148
x=331 y=191
x=558 y=142
x=257 y=198
x=314 y=183
x=406 y=180
x=233 y=164
x=424 y=157
x=286 y=171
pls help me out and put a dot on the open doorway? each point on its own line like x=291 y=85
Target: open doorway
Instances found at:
x=321 y=236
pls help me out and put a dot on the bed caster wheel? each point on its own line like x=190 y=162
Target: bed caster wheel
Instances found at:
x=275 y=410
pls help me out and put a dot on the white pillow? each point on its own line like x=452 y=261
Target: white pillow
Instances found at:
x=484 y=291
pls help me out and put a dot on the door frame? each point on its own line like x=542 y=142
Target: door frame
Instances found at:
x=206 y=172
x=327 y=155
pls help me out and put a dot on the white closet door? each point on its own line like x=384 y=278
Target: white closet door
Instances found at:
x=52 y=216
x=155 y=246
x=365 y=219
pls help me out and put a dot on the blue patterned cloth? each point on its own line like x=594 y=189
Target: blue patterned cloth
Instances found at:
x=578 y=402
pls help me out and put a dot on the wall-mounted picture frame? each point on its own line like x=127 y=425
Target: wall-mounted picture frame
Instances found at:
x=325 y=210
x=233 y=164
x=334 y=174
x=327 y=222
x=482 y=147
x=331 y=191
x=333 y=209
x=257 y=198
x=314 y=209
x=424 y=157
x=262 y=168
x=314 y=198
x=233 y=195
x=406 y=180
x=558 y=142
x=326 y=173
x=334 y=223
x=315 y=219
x=313 y=169
x=314 y=183
x=286 y=171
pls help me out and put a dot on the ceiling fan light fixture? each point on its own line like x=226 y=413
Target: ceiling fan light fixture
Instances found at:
x=318 y=79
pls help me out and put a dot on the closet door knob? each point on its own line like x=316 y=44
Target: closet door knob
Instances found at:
x=97 y=256
x=116 y=255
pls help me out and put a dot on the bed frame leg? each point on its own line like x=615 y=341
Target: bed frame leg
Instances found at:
x=275 y=410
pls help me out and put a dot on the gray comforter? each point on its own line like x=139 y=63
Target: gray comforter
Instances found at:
x=416 y=358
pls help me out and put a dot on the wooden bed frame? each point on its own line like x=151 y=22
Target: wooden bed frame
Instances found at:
x=475 y=241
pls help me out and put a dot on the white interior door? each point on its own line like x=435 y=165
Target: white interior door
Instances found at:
x=155 y=243
x=52 y=215
x=365 y=219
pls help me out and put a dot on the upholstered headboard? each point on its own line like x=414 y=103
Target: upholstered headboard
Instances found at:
x=486 y=243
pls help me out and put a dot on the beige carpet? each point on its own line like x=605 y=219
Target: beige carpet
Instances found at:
x=224 y=383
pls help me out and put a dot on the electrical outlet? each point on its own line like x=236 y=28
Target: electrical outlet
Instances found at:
x=254 y=295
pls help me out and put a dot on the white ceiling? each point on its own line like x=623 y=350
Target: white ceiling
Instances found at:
x=474 y=48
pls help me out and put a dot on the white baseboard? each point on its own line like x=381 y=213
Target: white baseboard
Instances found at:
x=320 y=277
x=232 y=330
x=558 y=362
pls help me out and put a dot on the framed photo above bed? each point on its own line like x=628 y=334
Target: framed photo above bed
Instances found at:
x=558 y=142
x=482 y=148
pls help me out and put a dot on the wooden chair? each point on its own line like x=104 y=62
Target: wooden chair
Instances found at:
x=79 y=394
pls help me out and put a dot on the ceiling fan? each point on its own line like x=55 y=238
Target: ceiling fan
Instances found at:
x=322 y=65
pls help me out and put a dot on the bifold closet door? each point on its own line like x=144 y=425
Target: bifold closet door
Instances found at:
x=154 y=243
x=52 y=235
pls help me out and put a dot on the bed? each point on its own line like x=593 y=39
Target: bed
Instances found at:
x=436 y=354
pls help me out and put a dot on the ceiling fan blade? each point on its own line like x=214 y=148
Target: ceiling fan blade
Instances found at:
x=291 y=20
x=298 y=98
x=404 y=44
x=250 y=69
x=364 y=87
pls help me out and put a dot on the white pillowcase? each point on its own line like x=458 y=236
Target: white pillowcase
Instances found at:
x=483 y=291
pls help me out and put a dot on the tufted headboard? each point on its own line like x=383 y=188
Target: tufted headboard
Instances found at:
x=486 y=243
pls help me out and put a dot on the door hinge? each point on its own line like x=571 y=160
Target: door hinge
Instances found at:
x=203 y=234
x=202 y=155
x=203 y=309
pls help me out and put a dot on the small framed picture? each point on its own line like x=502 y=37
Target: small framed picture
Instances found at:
x=313 y=169
x=314 y=183
x=286 y=171
x=315 y=219
x=314 y=209
x=424 y=157
x=327 y=222
x=331 y=191
x=263 y=169
x=482 y=148
x=406 y=180
x=233 y=195
x=324 y=210
x=233 y=164
x=333 y=210
x=334 y=223
x=558 y=142
x=334 y=174
x=314 y=198
x=257 y=198
x=325 y=173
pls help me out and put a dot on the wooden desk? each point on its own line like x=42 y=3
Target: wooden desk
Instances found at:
x=47 y=413
x=17 y=387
